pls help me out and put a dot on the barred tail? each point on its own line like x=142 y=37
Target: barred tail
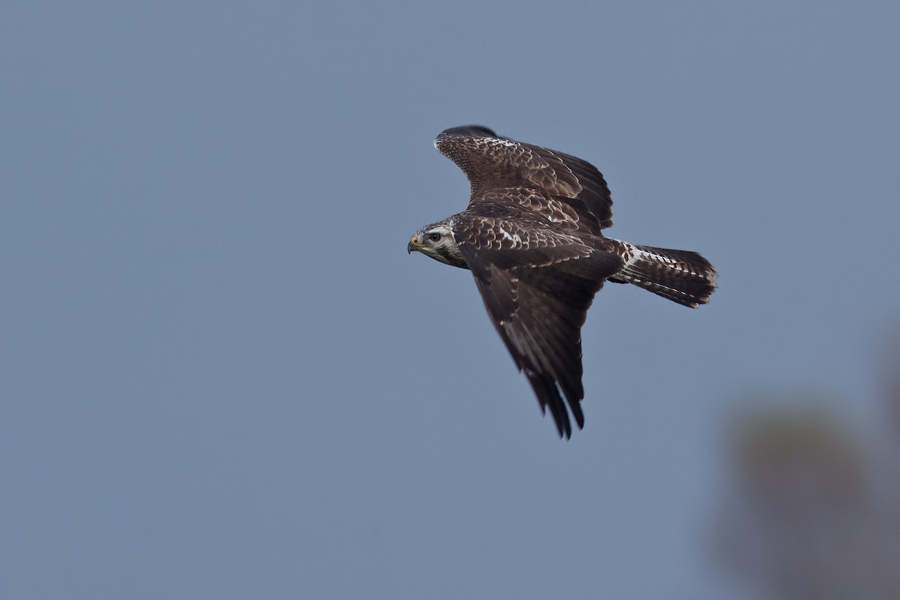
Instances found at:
x=683 y=277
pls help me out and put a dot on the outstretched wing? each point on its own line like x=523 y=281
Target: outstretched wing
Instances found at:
x=491 y=161
x=537 y=284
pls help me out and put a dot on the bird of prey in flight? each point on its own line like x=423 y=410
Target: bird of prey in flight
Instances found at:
x=532 y=237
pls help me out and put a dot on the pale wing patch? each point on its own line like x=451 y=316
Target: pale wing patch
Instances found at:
x=514 y=238
x=507 y=143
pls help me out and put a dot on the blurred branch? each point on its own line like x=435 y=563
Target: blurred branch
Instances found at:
x=892 y=379
x=805 y=521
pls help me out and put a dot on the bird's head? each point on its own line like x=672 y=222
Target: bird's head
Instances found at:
x=436 y=240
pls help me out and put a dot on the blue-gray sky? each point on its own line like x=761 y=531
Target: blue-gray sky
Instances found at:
x=223 y=377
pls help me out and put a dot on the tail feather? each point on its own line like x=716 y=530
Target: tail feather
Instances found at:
x=681 y=276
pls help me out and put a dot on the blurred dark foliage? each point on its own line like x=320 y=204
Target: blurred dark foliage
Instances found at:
x=814 y=512
x=891 y=368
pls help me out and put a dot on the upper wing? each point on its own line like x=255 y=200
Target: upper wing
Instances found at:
x=537 y=285
x=491 y=161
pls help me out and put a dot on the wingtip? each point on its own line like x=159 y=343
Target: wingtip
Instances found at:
x=563 y=430
x=473 y=130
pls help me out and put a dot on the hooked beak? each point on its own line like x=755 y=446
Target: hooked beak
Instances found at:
x=413 y=244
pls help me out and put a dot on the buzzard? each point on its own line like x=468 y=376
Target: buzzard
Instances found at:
x=532 y=237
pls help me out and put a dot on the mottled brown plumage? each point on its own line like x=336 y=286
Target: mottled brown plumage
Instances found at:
x=532 y=237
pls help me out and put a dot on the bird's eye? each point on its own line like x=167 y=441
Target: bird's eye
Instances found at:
x=434 y=237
